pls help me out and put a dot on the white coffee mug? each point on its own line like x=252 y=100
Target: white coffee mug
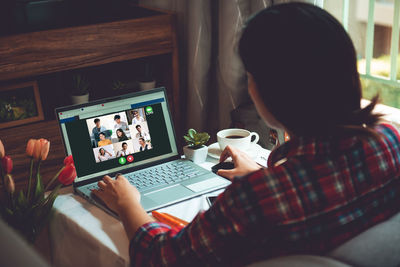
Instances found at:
x=238 y=138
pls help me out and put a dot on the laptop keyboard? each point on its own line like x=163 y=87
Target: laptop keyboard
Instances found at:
x=168 y=173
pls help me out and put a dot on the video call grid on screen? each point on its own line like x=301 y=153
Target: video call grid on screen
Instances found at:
x=122 y=134
x=134 y=120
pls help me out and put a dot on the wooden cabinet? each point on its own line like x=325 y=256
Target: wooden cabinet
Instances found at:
x=30 y=55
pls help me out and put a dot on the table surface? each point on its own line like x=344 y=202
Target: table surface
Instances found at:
x=81 y=234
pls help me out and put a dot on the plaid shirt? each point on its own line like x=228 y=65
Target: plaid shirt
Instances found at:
x=314 y=196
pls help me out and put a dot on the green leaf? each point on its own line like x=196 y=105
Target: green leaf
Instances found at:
x=21 y=200
x=192 y=133
x=53 y=193
x=188 y=139
x=9 y=212
x=195 y=139
x=39 y=189
x=44 y=211
x=204 y=137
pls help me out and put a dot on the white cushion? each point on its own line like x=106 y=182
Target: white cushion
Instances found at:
x=378 y=246
x=299 y=261
x=375 y=247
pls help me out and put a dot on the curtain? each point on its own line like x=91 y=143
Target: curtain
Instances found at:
x=213 y=81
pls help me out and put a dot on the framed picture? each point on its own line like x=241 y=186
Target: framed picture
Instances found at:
x=20 y=104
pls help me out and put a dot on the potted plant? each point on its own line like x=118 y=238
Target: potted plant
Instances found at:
x=120 y=87
x=117 y=85
x=80 y=89
x=196 y=150
x=147 y=80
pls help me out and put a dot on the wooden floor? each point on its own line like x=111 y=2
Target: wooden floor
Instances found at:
x=15 y=139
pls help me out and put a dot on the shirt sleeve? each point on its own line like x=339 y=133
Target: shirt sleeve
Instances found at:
x=220 y=236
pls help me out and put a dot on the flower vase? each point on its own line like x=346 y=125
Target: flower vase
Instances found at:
x=79 y=99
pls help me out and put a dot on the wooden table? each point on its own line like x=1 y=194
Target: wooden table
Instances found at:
x=15 y=139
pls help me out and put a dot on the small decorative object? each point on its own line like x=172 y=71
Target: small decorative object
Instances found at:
x=28 y=212
x=20 y=104
x=147 y=80
x=117 y=85
x=80 y=89
x=119 y=88
x=196 y=150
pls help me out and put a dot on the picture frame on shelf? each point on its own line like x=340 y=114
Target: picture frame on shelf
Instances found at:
x=20 y=104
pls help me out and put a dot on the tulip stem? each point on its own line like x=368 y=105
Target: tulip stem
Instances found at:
x=12 y=201
x=30 y=180
x=53 y=179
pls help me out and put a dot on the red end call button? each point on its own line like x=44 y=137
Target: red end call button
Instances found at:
x=129 y=158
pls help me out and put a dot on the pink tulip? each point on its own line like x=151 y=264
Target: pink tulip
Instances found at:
x=30 y=146
x=45 y=144
x=9 y=183
x=7 y=164
x=2 y=151
x=37 y=149
x=67 y=176
x=41 y=149
x=68 y=160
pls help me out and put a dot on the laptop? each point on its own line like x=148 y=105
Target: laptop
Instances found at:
x=134 y=135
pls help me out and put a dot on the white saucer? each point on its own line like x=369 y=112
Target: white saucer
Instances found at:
x=215 y=152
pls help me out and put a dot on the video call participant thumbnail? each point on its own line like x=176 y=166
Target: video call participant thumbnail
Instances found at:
x=103 y=141
x=136 y=117
x=121 y=135
x=103 y=155
x=97 y=130
x=142 y=133
x=120 y=124
x=124 y=151
x=144 y=145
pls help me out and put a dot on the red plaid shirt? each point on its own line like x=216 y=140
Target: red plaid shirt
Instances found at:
x=315 y=195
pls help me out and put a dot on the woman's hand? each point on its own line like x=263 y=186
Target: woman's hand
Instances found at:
x=243 y=163
x=122 y=197
x=117 y=194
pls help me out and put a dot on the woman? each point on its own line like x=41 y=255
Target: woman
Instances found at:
x=336 y=177
x=103 y=141
x=121 y=135
x=104 y=155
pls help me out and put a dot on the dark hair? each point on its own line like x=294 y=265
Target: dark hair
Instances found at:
x=124 y=143
x=123 y=136
x=138 y=126
x=96 y=120
x=141 y=138
x=117 y=117
x=304 y=65
x=103 y=150
x=102 y=134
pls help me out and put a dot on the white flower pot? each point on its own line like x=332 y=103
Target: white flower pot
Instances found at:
x=196 y=155
x=147 y=85
x=79 y=99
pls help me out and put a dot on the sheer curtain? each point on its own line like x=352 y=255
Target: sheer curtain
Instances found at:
x=213 y=80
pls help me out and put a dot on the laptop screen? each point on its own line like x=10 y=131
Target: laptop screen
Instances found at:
x=111 y=135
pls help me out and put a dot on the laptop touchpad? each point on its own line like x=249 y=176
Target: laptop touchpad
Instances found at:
x=169 y=194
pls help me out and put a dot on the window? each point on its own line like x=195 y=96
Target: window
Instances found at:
x=374 y=28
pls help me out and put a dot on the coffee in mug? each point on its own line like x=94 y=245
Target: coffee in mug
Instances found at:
x=238 y=138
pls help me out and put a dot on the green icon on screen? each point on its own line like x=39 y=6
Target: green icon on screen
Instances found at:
x=122 y=160
x=149 y=110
